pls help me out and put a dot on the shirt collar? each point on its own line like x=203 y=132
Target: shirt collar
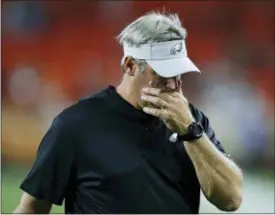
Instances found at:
x=125 y=108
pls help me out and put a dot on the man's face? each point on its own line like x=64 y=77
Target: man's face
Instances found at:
x=149 y=78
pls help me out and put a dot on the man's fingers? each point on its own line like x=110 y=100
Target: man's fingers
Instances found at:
x=151 y=91
x=160 y=113
x=157 y=101
x=168 y=97
x=173 y=97
x=157 y=92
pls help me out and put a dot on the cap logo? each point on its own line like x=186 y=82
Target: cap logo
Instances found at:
x=176 y=49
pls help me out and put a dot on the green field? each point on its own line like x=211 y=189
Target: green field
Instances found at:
x=258 y=193
x=11 y=193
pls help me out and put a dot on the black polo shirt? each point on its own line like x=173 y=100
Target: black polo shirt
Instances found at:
x=104 y=156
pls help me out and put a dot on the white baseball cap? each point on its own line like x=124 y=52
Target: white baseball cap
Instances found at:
x=167 y=59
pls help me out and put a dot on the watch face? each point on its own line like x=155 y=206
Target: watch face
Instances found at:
x=196 y=130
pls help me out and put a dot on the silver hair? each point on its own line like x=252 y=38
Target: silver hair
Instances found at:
x=153 y=27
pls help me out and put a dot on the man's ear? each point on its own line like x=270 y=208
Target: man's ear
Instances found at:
x=129 y=66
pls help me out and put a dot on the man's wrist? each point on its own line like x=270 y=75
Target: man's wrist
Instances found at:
x=184 y=130
x=194 y=132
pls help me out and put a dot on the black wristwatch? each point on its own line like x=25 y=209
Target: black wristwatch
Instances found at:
x=194 y=132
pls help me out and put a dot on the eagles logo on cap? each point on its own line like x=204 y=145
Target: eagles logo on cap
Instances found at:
x=176 y=48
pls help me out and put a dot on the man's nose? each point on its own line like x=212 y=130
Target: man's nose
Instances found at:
x=171 y=84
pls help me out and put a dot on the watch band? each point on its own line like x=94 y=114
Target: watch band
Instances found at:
x=194 y=132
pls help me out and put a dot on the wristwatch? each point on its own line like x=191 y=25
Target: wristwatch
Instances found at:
x=194 y=132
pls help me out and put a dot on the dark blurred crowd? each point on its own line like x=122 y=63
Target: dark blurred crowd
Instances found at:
x=54 y=52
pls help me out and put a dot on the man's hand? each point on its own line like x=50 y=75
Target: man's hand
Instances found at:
x=219 y=177
x=172 y=108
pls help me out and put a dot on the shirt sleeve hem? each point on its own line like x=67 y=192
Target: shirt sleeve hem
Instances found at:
x=27 y=188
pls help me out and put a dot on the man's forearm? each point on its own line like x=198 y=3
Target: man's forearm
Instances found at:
x=219 y=177
x=31 y=205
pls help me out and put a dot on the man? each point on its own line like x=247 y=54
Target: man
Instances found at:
x=139 y=147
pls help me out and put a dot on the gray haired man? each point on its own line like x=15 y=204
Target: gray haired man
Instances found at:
x=140 y=147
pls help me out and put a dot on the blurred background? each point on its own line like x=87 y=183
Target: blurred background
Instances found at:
x=55 y=52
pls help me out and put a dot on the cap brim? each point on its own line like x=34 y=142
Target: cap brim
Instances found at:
x=168 y=68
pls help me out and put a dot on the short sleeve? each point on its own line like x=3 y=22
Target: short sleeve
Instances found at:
x=204 y=121
x=50 y=174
